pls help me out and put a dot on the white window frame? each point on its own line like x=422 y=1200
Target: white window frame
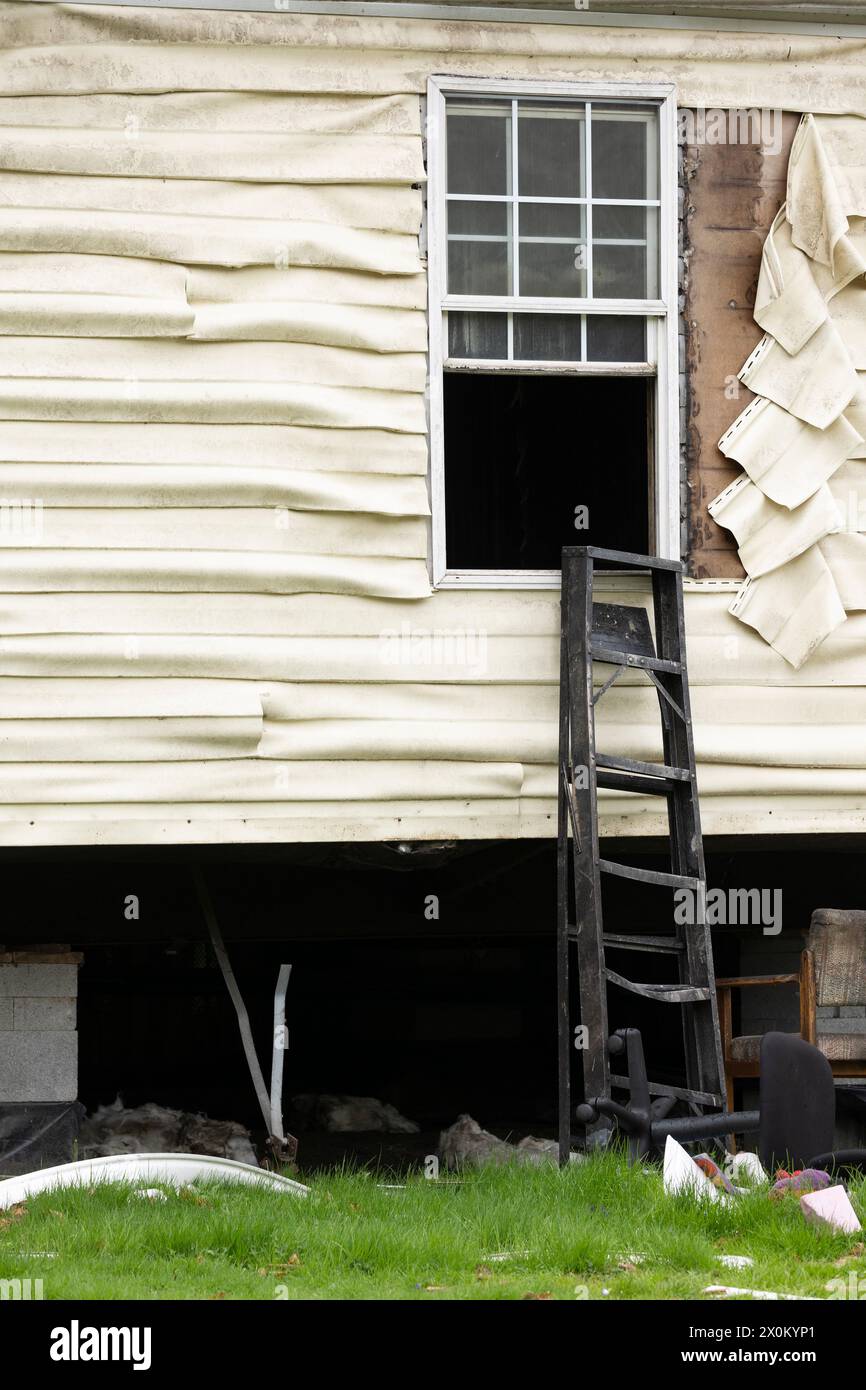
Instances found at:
x=665 y=463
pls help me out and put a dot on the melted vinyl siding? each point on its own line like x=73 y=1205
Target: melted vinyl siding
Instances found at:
x=218 y=625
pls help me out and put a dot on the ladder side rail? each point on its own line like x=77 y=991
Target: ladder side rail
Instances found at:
x=701 y=1024
x=563 y=983
x=587 y=883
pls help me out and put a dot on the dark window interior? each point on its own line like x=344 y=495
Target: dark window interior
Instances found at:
x=523 y=452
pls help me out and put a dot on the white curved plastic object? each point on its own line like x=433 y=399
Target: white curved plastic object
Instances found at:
x=146 y=1169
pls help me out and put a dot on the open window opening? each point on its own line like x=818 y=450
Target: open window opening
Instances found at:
x=533 y=463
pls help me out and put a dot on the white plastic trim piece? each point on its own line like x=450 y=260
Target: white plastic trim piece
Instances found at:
x=147 y=1169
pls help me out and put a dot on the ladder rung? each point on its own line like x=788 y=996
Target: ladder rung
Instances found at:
x=643 y=943
x=648 y=663
x=673 y=774
x=609 y=780
x=663 y=994
x=658 y=1088
x=612 y=781
x=609 y=866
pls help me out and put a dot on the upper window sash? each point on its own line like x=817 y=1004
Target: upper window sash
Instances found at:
x=551 y=198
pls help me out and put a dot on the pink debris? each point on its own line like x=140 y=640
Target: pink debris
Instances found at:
x=832 y=1208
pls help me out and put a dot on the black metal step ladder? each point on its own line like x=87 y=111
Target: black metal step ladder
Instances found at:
x=619 y=636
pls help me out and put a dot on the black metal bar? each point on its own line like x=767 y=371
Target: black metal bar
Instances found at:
x=688 y=1127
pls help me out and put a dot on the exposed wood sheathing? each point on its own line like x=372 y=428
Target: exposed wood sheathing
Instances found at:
x=217 y=625
x=733 y=192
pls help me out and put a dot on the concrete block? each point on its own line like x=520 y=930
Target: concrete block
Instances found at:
x=852 y=1010
x=43 y=1015
x=38 y=1067
x=5 y=1015
x=38 y=981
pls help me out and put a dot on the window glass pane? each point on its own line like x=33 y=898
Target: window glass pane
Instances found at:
x=552 y=250
x=479 y=146
x=478 y=335
x=552 y=220
x=479 y=248
x=547 y=337
x=617 y=223
x=550 y=160
x=553 y=269
x=625 y=252
x=615 y=339
x=620 y=272
x=478 y=219
x=478 y=267
x=623 y=154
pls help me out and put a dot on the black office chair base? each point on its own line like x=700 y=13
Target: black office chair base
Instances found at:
x=794 y=1121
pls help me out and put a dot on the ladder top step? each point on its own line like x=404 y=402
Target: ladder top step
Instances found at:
x=609 y=866
x=622 y=557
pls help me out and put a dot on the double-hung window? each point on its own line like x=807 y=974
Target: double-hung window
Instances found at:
x=552 y=246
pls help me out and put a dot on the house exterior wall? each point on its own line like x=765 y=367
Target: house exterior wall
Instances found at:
x=216 y=621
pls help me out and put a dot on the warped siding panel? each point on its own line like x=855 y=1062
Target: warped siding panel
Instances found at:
x=204 y=204
x=94 y=739
x=218 y=781
x=132 y=361
x=229 y=529
x=286 y=447
x=207 y=572
x=227 y=242
x=154 y=51
x=205 y=113
x=289 y=283
x=112 y=699
x=230 y=403
x=177 y=485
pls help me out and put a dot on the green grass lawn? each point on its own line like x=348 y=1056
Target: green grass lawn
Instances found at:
x=566 y=1235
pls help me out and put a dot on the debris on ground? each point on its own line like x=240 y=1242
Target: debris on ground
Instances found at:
x=746 y=1164
x=735 y=1261
x=683 y=1174
x=831 y=1208
x=176 y=1170
x=465 y=1142
x=729 y=1291
x=800 y=1182
x=150 y=1128
x=352 y=1115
